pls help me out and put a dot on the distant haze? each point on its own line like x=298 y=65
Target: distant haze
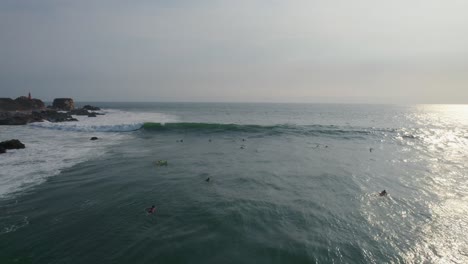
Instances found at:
x=370 y=51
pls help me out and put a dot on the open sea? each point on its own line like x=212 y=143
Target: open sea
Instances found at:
x=289 y=183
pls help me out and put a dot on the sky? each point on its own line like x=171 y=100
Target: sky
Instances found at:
x=360 y=51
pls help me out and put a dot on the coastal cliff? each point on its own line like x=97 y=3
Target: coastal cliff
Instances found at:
x=24 y=110
x=63 y=104
x=21 y=103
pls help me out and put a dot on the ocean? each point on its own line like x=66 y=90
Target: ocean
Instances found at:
x=288 y=183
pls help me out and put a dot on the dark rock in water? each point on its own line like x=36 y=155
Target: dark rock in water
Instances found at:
x=24 y=110
x=52 y=116
x=84 y=112
x=93 y=138
x=22 y=118
x=2 y=150
x=91 y=108
x=80 y=112
x=14 y=118
x=12 y=144
x=64 y=104
x=21 y=103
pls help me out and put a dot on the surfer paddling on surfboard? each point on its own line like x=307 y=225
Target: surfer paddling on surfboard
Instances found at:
x=151 y=210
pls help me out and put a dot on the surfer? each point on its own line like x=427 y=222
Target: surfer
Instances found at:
x=208 y=179
x=383 y=193
x=151 y=210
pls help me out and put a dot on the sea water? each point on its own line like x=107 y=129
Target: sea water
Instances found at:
x=289 y=183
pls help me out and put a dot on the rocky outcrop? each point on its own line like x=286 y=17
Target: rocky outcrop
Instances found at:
x=2 y=150
x=91 y=108
x=17 y=118
x=93 y=138
x=23 y=118
x=63 y=104
x=84 y=112
x=24 y=110
x=21 y=103
x=54 y=116
x=12 y=144
x=80 y=112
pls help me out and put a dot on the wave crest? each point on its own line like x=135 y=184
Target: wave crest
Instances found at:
x=309 y=130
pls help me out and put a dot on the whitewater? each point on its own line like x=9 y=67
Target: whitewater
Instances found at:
x=289 y=183
x=48 y=152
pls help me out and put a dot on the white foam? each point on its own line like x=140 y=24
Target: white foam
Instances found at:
x=49 y=151
x=112 y=121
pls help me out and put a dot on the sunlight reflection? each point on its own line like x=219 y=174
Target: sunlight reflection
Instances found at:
x=441 y=115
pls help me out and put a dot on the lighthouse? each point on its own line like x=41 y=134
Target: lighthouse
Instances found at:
x=29 y=96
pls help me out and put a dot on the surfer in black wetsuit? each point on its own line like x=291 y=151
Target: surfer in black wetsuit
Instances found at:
x=383 y=193
x=151 y=210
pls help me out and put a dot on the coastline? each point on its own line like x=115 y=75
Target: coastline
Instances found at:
x=24 y=110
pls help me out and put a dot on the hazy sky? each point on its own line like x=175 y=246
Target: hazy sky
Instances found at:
x=237 y=50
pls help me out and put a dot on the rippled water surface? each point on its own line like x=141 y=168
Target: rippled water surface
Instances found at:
x=289 y=183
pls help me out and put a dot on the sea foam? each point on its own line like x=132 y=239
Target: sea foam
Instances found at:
x=111 y=121
x=53 y=147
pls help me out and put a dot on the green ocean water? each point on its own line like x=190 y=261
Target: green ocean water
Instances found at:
x=289 y=183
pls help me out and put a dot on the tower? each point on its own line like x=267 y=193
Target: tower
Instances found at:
x=29 y=96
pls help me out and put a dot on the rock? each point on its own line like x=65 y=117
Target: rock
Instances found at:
x=91 y=108
x=12 y=144
x=53 y=116
x=80 y=112
x=14 y=119
x=22 y=118
x=2 y=150
x=7 y=104
x=21 y=103
x=93 y=138
x=64 y=104
x=18 y=118
x=84 y=112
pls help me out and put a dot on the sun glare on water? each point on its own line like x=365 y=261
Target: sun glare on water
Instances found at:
x=444 y=144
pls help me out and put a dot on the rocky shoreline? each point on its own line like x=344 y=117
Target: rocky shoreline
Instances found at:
x=24 y=110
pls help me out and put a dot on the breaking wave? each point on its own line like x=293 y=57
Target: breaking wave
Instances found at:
x=308 y=130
